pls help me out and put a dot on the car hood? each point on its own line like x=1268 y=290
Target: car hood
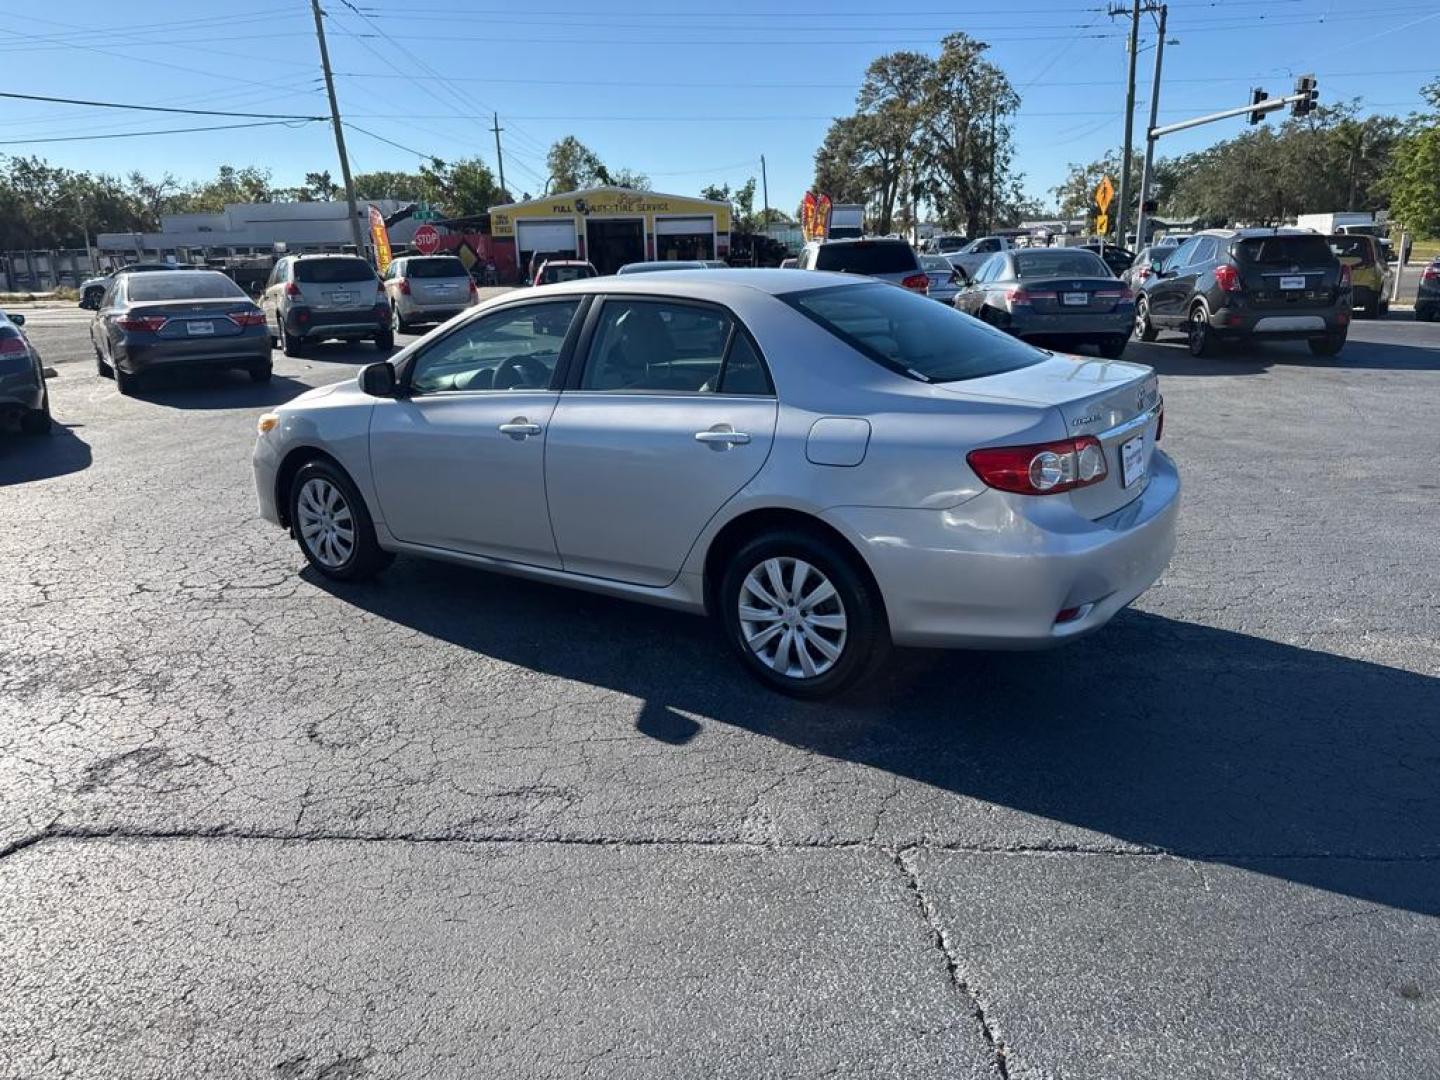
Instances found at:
x=345 y=388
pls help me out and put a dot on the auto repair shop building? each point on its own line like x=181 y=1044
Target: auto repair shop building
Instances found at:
x=611 y=226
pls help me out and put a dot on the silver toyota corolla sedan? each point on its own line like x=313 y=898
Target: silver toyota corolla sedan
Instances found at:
x=825 y=465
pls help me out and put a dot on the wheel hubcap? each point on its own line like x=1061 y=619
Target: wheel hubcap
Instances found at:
x=792 y=618
x=1142 y=317
x=326 y=527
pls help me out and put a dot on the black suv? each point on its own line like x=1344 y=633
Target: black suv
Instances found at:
x=1263 y=284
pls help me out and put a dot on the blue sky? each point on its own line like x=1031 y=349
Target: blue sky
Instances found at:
x=672 y=88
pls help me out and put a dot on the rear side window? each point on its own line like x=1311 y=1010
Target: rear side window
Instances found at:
x=866 y=258
x=444 y=267
x=333 y=271
x=912 y=334
x=1039 y=264
x=1288 y=250
x=190 y=285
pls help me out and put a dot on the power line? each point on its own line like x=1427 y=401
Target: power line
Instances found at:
x=154 y=108
x=389 y=142
x=163 y=131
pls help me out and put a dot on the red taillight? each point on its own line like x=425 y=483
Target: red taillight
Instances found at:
x=1144 y=273
x=247 y=318
x=405 y=286
x=1043 y=468
x=1069 y=614
x=1344 y=276
x=148 y=323
x=1432 y=273
x=1227 y=277
x=917 y=283
x=291 y=289
x=12 y=346
x=1118 y=295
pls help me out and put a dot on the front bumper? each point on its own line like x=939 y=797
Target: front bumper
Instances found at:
x=994 y=572
x=265 y=462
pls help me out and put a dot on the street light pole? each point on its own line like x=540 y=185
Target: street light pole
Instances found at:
x=339 y=129
x=1129 y=126
x=1149 y=138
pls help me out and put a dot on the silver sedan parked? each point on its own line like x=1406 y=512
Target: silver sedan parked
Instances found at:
x=826 y=466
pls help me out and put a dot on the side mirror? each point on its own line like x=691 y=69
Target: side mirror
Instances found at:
x=17 y=319
x=378 y=380
x=962 y=277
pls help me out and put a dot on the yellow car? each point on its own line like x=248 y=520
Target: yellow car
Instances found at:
x=1370 y=277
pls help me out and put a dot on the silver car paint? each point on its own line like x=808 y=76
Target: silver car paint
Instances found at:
x=957 y=562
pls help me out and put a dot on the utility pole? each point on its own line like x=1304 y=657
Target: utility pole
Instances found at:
x=1149 y=139
x=499 y=157
x=764 y=194
x=991 y=222
x=1129 y=121
x=339 y=129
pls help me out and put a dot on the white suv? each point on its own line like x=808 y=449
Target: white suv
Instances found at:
x=427 y=289
x=313 y=297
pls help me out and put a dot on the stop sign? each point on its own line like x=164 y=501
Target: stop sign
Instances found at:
x=426 y=240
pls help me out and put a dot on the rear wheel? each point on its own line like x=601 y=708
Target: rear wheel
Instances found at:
x=398 y=325
x=1144 y=328
x=802 y=617
x=261 y=373
x=385 y=340
x=125 y=382
x=1371 y=309
x=104 y=370
x=37 y=421
x=331 y=524
x=1113 y=347
x=290 y=344
x=1201 y=340
x=1329 y=345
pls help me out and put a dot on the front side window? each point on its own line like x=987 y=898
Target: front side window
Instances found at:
x=515 y=348
x=646 y=345
x=911 y=334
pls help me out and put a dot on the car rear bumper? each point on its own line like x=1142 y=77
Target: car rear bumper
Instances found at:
x=309 y=323
x=1077 y=325
x=247 y=351
x=1286 y=322
x=21 y=398
x=995 y=571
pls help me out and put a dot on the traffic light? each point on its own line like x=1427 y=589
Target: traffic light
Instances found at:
x=1306 y=85
x=1256 y=97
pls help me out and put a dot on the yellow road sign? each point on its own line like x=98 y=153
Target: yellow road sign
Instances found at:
x=1104 y=193
x=1102 y=224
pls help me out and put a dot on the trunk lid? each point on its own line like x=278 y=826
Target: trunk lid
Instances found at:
x=194 y=318
x=1286 y=269
x=1062 y=295
x=1114 y=401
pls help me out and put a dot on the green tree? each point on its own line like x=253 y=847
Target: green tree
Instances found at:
x=1413 y=177
x=892 y=100
x=388 y=184
x=840 y=161
x=463 y=188
x=574 y=166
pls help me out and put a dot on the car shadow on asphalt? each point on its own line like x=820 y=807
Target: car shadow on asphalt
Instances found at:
x=357 y=353
x=1201 y=742
x=26 y=458
x=198 y=389
x=1169 y=356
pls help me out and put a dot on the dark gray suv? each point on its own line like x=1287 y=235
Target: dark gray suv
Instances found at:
x=1259 y=284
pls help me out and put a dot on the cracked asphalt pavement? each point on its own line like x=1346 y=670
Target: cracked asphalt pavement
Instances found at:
x=255 y=824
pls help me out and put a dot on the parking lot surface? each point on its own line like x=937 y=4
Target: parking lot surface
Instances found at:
x=254 y=823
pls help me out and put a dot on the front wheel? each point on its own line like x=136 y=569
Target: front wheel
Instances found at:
x=802 y=617
x=1144 y=328
x=331 y=524
x=1329 y=345
x=1201 y=340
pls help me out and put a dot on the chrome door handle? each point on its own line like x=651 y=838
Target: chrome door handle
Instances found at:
x=519 y=428
x=722 y=437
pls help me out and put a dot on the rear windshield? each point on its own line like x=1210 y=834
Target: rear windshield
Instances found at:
x=1351 y=247
x=445 y=266
x=1296 y=250
x=552 y=274
x=1042 y=264
x=912 y=334
x=186 y=285
x=936 y=264
x=866 y=257
x=333 y=271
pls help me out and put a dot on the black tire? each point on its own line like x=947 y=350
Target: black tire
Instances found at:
x=1372 y=309
x=866 y=640
x=398 y=325
x=385 y=340
x=1199 y=336
x=1329 y=345
x=261 y=373
x=1144 y=328
x=1112 y=348
x=291 y=345
x=104 y=370
x=125 y=382
x=366 y=558
x=37 y=421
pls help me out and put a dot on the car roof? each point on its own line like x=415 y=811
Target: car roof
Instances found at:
x=667 y=264
x=717 y=285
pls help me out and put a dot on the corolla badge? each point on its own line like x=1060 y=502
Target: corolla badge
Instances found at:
x=1085 y=421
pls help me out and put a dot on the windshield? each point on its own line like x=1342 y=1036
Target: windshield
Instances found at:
x=1351 y=247
x=445 y=266
x=188 y=285
x=332 y=271
x=1291 y=250
x=912 y=334
x=1061 y=263
x=866 y=257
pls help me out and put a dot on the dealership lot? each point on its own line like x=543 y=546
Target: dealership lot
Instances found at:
x=455 y=824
